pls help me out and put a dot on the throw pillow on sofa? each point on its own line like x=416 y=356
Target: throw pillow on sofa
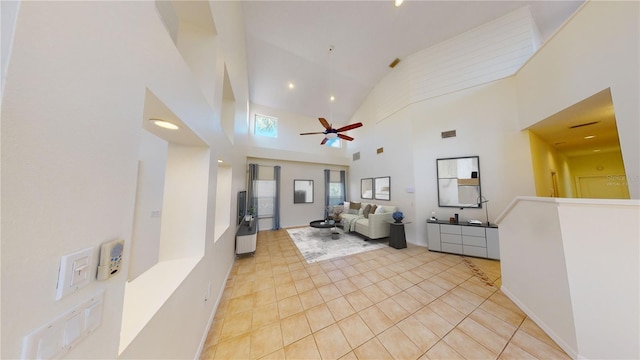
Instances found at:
x=366 y=211
x=354 y=208
x=380 y=210
x=373 y=209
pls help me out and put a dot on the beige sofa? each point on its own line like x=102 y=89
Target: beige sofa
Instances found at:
x=374 y=225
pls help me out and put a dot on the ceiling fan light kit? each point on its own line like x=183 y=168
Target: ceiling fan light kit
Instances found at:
x=331 y=133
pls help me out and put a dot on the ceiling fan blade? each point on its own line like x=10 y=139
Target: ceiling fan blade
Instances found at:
x=312 y=133
x=349 y=127
x=324 y=141
x=348 y=138
x=325 y=123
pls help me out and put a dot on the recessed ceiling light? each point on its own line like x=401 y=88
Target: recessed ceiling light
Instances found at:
x=398 y=2
x=332 y=98
x=291 y=85
x=164 y=124
x=589 y=137
x=219 y=161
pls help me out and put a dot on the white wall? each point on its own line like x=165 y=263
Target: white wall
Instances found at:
x=604 y=276
x=598 y=48
x=485 y=119
x=572 y=265
x=71 y=113
x=580 y=60
x=452 y=86
x=533 y=267
x=145 y=238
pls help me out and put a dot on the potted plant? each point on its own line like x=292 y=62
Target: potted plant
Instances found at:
x=397 y=216
x=335 y=212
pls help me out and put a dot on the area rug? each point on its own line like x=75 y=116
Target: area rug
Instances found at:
x=317 y=245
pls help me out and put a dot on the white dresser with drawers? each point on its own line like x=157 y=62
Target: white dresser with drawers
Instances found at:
x=464 y=239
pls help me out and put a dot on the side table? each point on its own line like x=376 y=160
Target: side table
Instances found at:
x=397 y=237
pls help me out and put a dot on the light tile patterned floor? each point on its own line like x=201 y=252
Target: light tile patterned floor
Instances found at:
x=382 y=304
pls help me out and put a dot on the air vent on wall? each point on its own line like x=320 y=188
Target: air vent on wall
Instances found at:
x=380 y=150
x=356 y=156
x=585 y=124
x=394 y=63
x=448 y=134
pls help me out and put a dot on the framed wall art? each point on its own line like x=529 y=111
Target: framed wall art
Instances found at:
x=382 y=188
x=302 y=191
x=366 y=188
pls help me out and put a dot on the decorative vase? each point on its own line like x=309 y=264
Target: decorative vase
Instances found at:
x=397 y=216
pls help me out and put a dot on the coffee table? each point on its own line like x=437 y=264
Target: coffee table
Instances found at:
x=322 y=224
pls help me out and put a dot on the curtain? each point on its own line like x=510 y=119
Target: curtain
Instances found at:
x=327 y=194
x=343 y=182
x=251 y=191
x=276 y=201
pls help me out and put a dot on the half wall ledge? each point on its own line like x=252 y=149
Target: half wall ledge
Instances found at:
x=572 y=265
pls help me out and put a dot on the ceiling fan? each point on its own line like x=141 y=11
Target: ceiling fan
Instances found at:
x=331 y=133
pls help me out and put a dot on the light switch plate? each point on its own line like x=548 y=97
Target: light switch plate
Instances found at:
x=73 y=328
x=93 y=316
x=57 y=337
x=75 y=272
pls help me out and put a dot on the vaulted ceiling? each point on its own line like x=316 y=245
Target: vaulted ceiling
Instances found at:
x=288 y=42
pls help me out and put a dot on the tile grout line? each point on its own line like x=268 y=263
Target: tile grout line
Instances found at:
x=512 y=336
x=278 y=250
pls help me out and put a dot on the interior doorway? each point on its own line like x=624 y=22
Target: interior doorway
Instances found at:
x=554 y=184
x=602 y=187
x=580 y=148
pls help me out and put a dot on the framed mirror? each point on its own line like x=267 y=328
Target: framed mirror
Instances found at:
x=302 y=191
x=382 y=188
x=366 y=188
x=459 y=182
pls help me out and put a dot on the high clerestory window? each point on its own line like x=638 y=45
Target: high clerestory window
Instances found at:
x=336 y=143
x=266 y=126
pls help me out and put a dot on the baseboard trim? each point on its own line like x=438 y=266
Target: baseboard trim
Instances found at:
x=573 y=353
x=203 y=340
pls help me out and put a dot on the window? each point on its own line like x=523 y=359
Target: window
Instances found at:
x=266 y=126
x=335 y=193
x=334 y=143
x=265 y=191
